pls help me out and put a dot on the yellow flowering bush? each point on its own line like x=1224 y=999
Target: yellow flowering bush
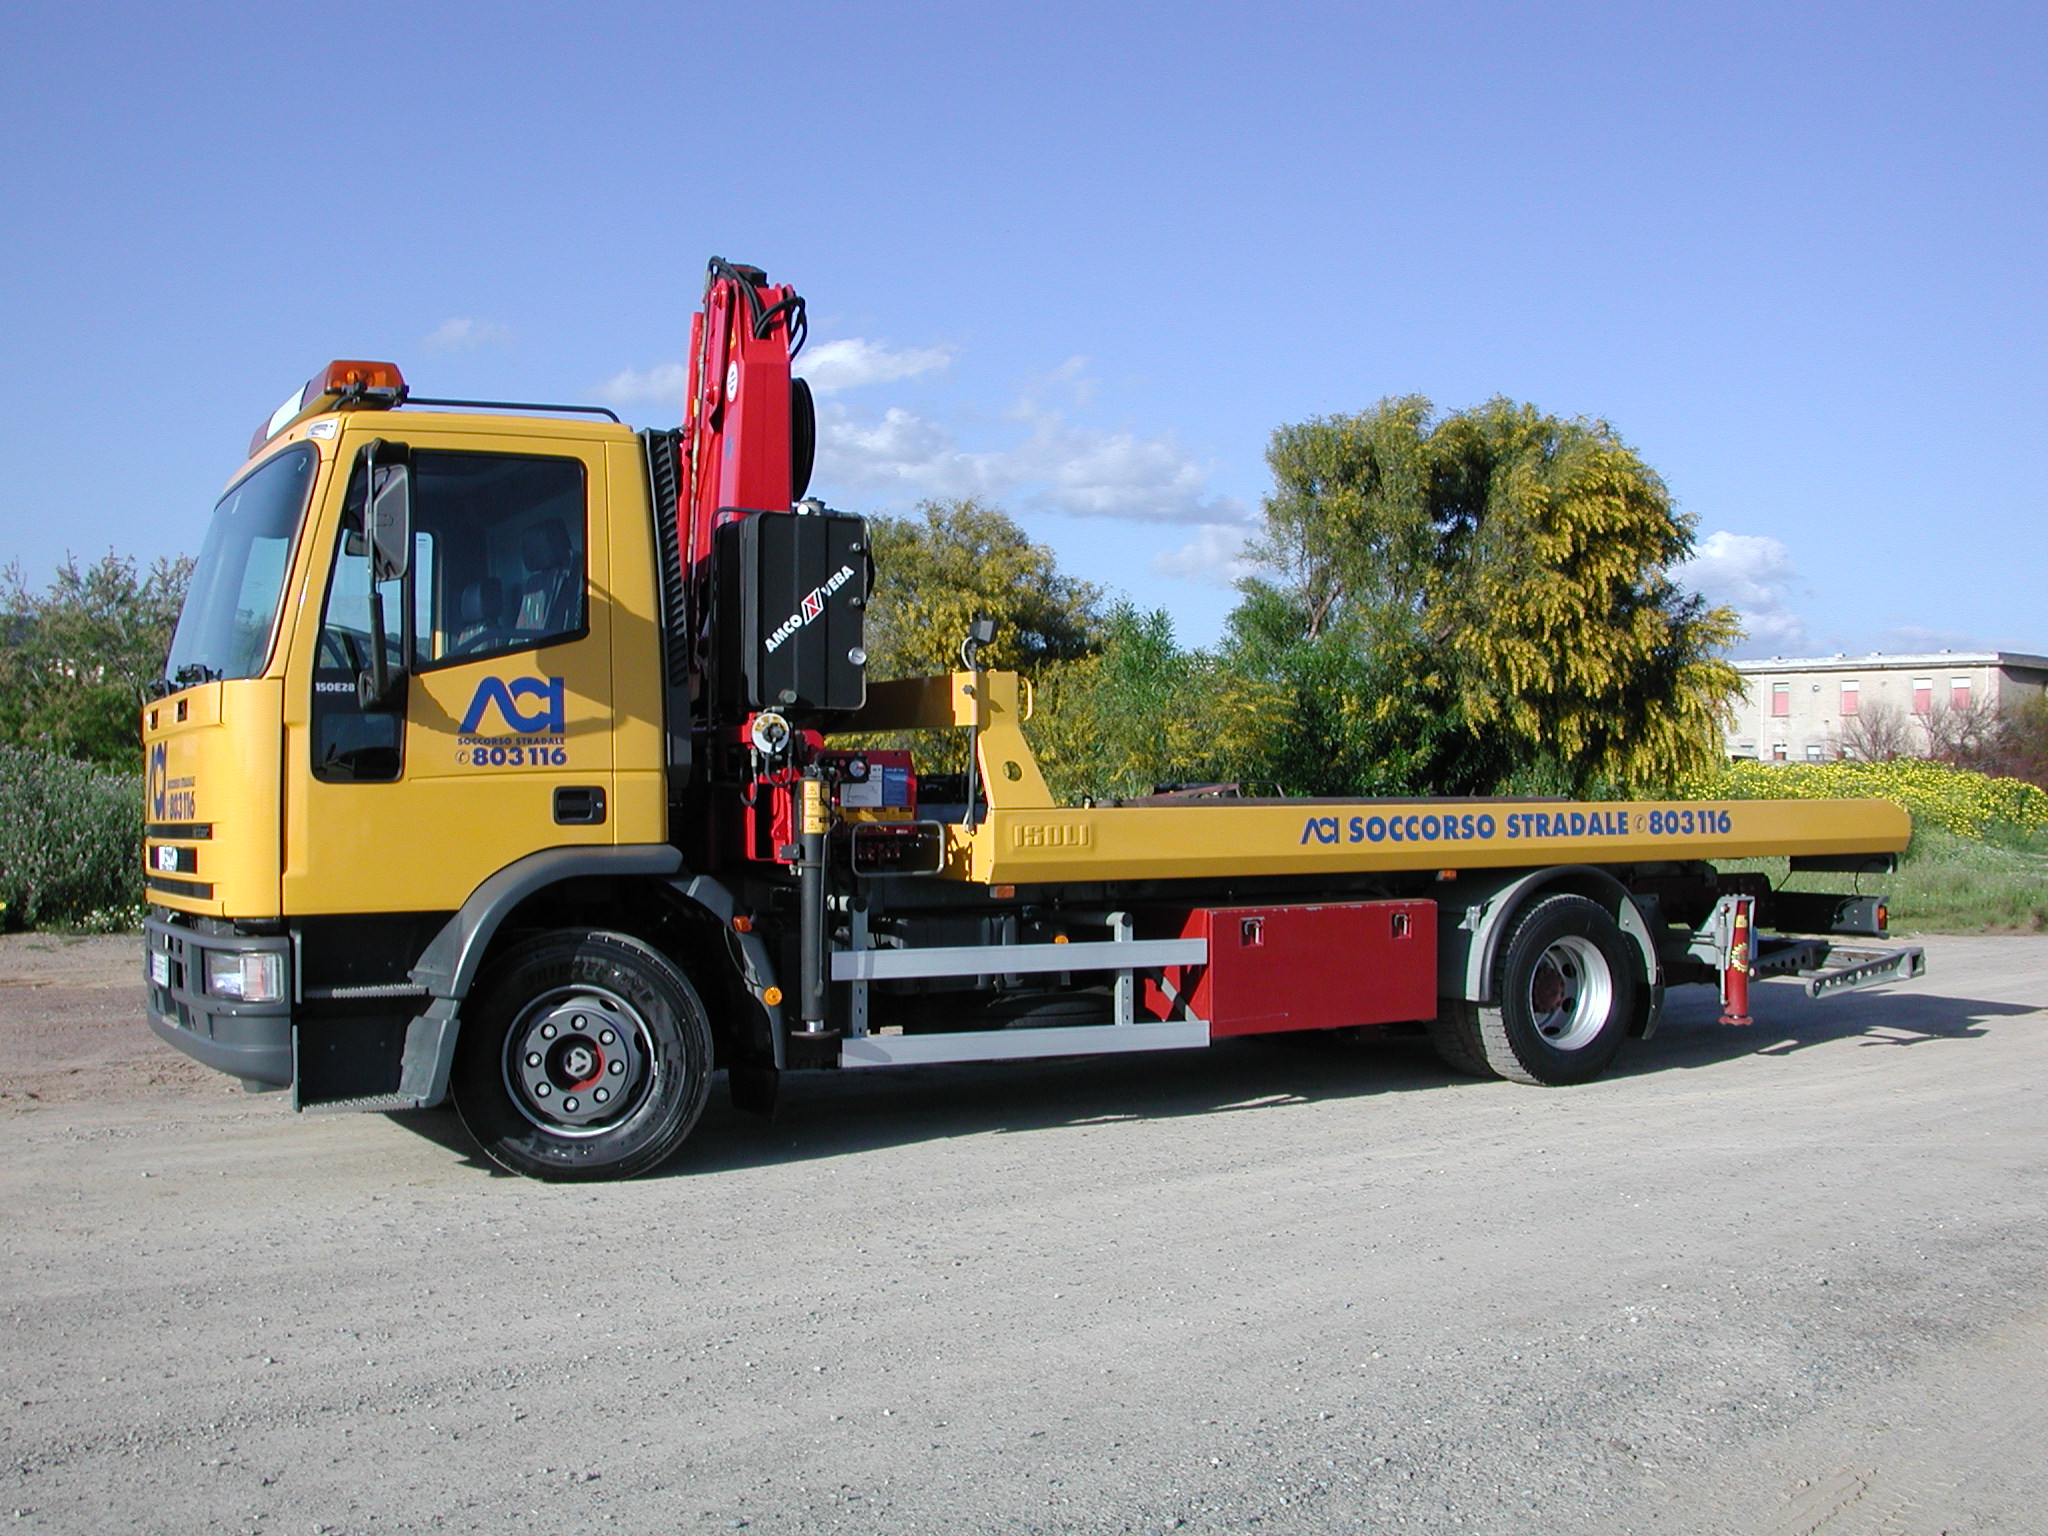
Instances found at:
x=1958 y=800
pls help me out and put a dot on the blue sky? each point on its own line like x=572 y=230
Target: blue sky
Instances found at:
x=1079 y=259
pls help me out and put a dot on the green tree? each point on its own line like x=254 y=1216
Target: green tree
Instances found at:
x=935 y=572
x=1140 y=712
x=1479 y=601
x=1343 y=713
x=2023 y=741
x=77 y=658
x=70 y=839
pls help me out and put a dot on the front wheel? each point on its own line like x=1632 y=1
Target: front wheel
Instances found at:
x=1564 y=993
x=584 y=1055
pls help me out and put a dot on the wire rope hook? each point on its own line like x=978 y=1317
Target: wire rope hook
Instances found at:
x=1738 y=963
x=981 y=631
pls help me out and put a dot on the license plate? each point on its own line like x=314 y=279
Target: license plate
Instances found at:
x=159 y=967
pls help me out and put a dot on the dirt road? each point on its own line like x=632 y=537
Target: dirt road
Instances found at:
x=1788 y=1281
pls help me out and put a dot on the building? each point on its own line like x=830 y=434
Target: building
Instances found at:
x=1797 y=709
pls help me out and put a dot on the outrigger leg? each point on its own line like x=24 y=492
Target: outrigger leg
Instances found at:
x=1738 y=962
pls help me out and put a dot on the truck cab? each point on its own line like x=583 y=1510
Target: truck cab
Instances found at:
x=305 y=835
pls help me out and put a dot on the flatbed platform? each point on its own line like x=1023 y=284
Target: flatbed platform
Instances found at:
x=1015 y=847
x=1025 y=838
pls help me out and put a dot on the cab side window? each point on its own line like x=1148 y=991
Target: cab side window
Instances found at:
x=509 y=535
x=499 y=566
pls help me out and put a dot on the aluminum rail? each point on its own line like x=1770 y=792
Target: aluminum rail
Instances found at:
x=1015 y=959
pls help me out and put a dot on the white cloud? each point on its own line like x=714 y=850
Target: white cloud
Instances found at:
x=1214 y=556
x=1905 y=639
x=832 y=366
x=899 y=455
x=1753 y=574
x=1057 y=467
x=663 y=384
x=1118 y=474
x=462 y=333
x=1070 y=379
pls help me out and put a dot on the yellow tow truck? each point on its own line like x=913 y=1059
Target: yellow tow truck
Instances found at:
x=507 y=755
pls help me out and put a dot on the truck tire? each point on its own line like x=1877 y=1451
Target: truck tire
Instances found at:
x=1454 y=1033
x=583 y=1055
x=1564 y=992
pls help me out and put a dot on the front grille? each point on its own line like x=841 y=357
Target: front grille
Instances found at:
x=196 y=890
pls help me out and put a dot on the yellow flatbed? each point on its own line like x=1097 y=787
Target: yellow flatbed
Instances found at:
x=1025 y=838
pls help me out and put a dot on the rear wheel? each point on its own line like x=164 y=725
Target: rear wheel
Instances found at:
x=1454 y=1033
x=1564 y=993
x=584 y=1055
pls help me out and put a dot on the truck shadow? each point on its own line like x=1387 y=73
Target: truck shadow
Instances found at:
x=825 y=1115
x=832 y=1114
x=1691 y=1034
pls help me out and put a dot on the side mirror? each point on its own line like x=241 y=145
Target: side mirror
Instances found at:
x=387 y=519
x=390 y=520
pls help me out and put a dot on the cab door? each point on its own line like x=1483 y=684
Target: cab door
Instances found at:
x=501 y=743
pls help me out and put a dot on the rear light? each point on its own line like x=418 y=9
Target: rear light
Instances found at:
x=247 y=978
x=1884 y=918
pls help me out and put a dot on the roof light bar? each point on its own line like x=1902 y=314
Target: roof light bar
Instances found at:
x=344 y=384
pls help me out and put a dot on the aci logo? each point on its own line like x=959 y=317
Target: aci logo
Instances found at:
x=169 y=799
x=159 y=781
x=547 y=721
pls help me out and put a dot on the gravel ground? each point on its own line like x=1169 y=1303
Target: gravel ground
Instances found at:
x=1785 y=1280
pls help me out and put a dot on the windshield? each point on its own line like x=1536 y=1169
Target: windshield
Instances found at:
x=224 y=631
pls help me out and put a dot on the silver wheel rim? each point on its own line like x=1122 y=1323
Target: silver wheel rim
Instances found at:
x=578 y=1061
x=1571 y=993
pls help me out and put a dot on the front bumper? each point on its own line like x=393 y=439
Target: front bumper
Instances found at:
x=252 y=1041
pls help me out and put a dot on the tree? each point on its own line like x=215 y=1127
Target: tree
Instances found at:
x=1345 y=709
x=76 y=659
x=1876 y=733
x=966 y=558
x=2022 y=741
x=70 y=838
x=1963 y=735
x=1497 y=578
x=1140 y=712
x=1347 y=529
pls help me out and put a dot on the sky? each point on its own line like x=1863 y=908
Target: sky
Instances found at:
x=1079 y=260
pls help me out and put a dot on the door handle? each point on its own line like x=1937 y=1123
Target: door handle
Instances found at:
x=579 y=805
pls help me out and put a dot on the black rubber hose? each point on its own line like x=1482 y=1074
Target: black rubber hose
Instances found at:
x=803 y=437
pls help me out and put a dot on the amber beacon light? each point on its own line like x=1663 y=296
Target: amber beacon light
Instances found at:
x=342 y=385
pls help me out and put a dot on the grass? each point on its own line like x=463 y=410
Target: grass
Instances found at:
x=1947 y=883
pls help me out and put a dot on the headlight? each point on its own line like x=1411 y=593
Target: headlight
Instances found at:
x=248 y=978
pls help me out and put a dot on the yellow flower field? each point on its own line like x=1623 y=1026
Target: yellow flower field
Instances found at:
x=1957 y=800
